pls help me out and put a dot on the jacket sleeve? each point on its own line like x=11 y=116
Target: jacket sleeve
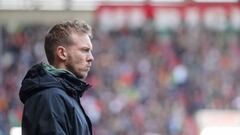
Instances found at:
x=45 y=114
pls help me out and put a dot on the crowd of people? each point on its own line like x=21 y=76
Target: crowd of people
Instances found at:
x=145 y=81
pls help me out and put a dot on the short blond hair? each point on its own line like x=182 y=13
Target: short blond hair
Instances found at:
x=60 y=34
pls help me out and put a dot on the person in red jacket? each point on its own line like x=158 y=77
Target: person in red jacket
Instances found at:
x=51 y=92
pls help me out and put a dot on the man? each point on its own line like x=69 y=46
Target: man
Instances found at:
x=51 y=92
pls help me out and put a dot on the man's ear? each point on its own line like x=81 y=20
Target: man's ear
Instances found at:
x=61 y=52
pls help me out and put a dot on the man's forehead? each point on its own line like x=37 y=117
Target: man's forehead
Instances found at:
x=81 y=38
x=80 y=35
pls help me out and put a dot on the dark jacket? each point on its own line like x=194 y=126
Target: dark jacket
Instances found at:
x=51 y=103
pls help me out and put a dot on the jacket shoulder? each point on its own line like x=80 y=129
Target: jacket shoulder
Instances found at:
x=46 y=112
x=53 y=99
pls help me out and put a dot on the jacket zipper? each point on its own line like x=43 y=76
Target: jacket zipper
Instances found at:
x=85 y=115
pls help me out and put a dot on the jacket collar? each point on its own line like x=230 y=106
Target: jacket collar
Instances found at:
x=67 y=79
x=43 y=76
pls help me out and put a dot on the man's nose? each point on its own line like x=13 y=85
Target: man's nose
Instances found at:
x=90 y=57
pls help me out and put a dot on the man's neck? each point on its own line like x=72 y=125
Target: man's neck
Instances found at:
x=59 y=66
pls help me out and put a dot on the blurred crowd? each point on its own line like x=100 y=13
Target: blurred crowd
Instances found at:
x=145 y=81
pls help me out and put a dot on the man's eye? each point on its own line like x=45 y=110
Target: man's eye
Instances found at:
x=85 y=50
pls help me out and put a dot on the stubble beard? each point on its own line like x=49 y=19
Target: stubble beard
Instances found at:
x=70 y=67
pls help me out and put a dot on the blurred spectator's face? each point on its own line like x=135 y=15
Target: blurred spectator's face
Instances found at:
x=79 y=55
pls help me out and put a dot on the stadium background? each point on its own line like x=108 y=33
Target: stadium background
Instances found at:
x=161 y=67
